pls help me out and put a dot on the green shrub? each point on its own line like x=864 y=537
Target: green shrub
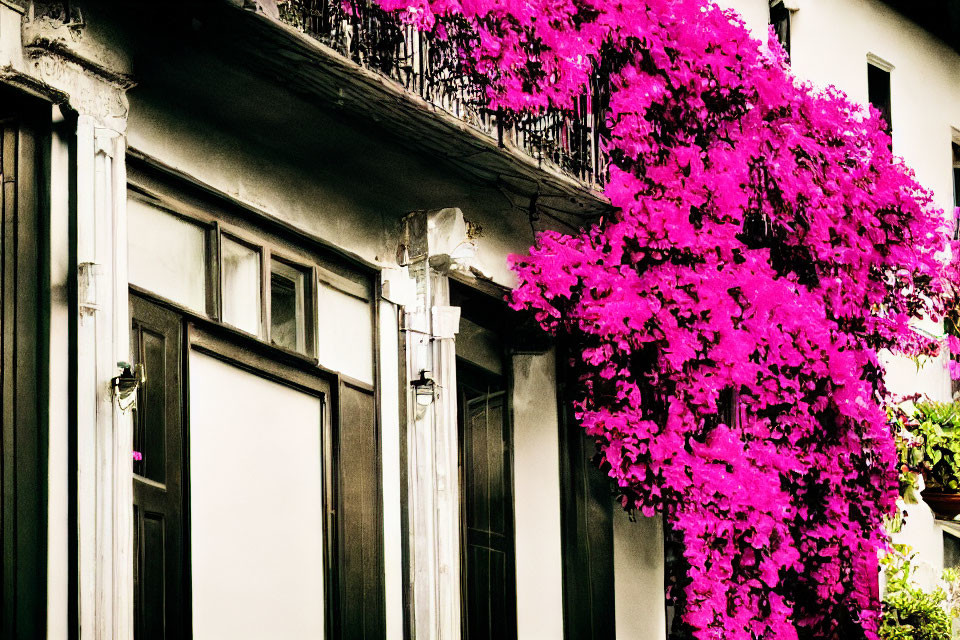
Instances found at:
x=909 y=612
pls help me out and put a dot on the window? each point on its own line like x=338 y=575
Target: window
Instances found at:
x=878 y=90
x=288 y=308
x=240 y=266
x=780 y=20
x=167 y=254
x=207 y=269
x=344 y=326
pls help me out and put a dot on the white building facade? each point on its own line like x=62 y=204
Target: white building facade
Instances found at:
x=269 y=386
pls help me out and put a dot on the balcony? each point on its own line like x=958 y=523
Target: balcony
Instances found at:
x=373 y=39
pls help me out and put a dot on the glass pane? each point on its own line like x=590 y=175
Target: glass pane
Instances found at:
x=256 y=506
x=166 y=254
x=240 y=266
x=150 y=423
x=287 y=321
x=345 y=340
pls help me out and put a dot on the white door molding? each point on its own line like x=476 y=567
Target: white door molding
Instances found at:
x=104 y=433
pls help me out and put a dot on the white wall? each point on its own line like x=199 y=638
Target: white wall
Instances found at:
x=390 y=469
x=830 y=42
x=536 y=469
x=756 y=13
x=925 y=98
x=347 y=187
x=638 y=576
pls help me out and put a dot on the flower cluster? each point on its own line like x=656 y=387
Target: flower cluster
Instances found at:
x=766 y=247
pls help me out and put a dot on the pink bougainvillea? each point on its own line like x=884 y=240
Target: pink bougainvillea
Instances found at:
x=766 y=247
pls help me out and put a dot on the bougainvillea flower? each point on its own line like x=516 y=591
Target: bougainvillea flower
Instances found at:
x=766 y=247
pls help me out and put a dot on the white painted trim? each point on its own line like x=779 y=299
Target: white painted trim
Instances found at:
x=879 y=62
x=90 y=605
x=58 y=492
x=638 y=576
x=390 y=469
x=536 y=492
x=114 y=146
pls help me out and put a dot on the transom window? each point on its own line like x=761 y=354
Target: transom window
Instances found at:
x=167 y=254
x=244 y=279
x=223 y=273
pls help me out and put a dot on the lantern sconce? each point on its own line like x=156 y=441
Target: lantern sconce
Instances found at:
x=126 y=385
x=424 y=387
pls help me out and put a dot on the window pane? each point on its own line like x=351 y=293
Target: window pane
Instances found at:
x=951 y=551
x=345 y=341
x=240 y=266
x=166 y=254
x=287 y=321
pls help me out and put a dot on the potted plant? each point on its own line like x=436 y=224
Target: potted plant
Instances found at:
x=932 y=445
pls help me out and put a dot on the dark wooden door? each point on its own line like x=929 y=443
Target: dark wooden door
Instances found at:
x=157 y=336
x=586 y=508
x=489 y=583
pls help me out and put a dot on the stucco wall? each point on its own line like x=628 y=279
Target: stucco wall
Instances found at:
x=638 y=577
x=537 y=498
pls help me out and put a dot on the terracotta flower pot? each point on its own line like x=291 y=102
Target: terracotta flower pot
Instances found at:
x=944 y=505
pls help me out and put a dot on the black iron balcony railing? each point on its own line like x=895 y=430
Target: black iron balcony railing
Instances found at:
x=567 y=139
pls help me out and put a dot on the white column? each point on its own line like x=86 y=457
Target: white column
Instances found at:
x=104 y=433
x=390 y=468
x=432 y=239
x=58 y=494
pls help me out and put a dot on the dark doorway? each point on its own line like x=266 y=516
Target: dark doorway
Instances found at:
x=25 y=294
x=586 y=508
x=489 y=583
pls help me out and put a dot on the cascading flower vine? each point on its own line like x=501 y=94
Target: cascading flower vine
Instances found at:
x=766 y=247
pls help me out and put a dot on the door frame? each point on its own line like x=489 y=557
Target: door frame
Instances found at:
x=301 y=373
x=358 y=607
